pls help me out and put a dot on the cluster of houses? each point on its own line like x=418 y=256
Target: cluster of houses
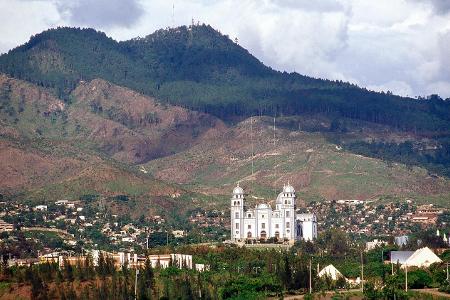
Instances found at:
x=425 y=214
x=63 y=214
x=403 y=240
x=373 y=218
x=203 y=219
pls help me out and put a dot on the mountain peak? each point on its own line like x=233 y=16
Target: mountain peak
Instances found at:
x=192 y=52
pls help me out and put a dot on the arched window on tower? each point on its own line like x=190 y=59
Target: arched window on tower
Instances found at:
x=236 y=215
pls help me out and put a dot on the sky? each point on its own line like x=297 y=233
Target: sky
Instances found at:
x=400 y=46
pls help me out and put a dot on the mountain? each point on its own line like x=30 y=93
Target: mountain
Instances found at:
x=163 y=122
x=199 y=68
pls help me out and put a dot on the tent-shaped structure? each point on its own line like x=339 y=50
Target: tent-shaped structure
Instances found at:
x=330 y=271
x=423 y=257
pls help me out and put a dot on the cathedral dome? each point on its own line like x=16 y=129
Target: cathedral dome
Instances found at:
x=262 y=206
x=238 y=190
x=288 y=189
x=279 y=199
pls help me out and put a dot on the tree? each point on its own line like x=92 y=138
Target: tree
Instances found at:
x=68 y=270
x=146 y=281
x=370 y=293
x=38 y=289
x=419 y=279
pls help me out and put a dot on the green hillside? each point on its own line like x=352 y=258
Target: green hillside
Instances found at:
x=317 y=168
x=199 y=68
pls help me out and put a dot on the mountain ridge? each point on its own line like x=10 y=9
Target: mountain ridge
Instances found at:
x=200 y=69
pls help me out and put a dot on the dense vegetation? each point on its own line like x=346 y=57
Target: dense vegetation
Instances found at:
x=199 y=68
x=235 y=273
x=435 y=160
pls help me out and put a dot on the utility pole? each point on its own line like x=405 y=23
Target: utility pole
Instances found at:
x=173 y=15
x=447 y=274
x=135 y=284
x=310 y=275
x=362 y=273
x=406 y=277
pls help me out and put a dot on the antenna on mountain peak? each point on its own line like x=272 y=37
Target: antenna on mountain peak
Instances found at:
x=173 y=15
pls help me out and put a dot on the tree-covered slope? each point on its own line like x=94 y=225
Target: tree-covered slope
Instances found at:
x=199 y=68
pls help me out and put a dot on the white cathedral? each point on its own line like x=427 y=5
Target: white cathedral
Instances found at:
x=262 y=222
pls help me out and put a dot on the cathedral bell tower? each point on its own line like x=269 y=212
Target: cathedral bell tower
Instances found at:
x=286 y=205
x=237 y=213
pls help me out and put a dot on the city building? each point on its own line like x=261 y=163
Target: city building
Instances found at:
x=178 y=233
x=375 y=243
x=262 y=222
x=5 y=226
x=40 y=207
x=401 y=240
x=131 y=260
x=350 y=202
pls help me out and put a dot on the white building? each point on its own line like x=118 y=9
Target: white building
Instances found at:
x=40 y=207
x=374 y=244
x=306 y=227
x=262 y=222
x=178 y=233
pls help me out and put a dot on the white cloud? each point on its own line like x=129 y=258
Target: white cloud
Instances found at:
x=397 y=87
x=397 y=45
x=100 y=13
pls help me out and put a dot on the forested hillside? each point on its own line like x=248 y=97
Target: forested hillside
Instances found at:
x=199 y=68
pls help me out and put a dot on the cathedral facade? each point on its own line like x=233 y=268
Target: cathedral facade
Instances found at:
x=262 y=222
